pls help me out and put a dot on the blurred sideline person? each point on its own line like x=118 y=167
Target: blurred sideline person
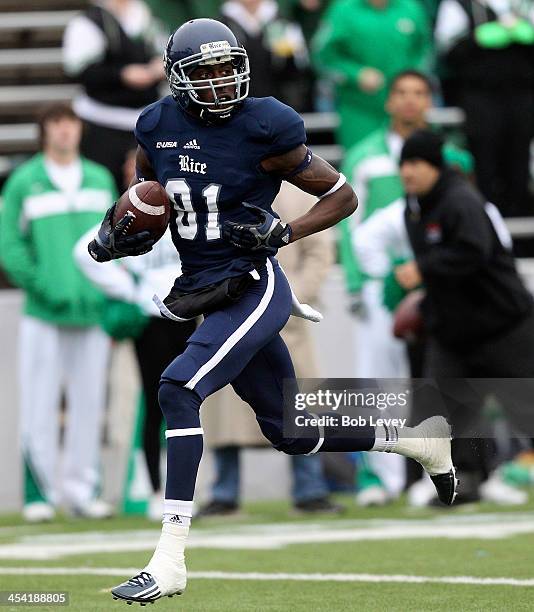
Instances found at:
x=48 y=203
x=384 y=251
x=361 y=45
x=372 y=168
x=130 y=312
x=113 y=49
x=276 y=49
x=488 y=48
x=228 y=422
x=478 y=314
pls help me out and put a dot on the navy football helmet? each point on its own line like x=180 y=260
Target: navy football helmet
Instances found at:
x=205 y=42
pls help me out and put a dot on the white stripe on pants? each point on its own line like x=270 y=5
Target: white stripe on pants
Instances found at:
x=52 y=358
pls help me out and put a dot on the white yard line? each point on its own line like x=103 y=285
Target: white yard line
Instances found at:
x=265 y=537
x=128 y=571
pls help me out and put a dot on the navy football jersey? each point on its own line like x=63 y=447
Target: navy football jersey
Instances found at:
x=208 y=171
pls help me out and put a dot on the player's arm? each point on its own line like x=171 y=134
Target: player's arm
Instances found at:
x=313 y=175
x=143 y=168
x=337 y=200
x=111 y=241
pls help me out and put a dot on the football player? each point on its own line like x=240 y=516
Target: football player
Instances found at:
x=222 y=157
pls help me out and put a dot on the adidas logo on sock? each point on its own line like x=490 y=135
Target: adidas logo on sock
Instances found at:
x=192 y=144
x=175 y=519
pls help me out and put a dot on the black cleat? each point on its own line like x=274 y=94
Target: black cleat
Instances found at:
x=446 y=486
x=142 y=589
x=433 y=437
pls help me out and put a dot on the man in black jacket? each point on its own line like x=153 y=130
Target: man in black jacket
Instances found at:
x=113 y=49
x=477 y=312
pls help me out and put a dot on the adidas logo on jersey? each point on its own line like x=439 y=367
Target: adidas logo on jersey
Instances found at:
x=192 y=144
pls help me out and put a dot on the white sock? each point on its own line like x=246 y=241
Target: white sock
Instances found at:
x=176 y=519
x=177 y=512
x=386 y=439
x=403 y=441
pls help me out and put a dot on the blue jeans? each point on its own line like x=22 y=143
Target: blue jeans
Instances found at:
x=308 y=479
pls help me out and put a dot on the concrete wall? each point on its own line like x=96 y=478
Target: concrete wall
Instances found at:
x=335 y=356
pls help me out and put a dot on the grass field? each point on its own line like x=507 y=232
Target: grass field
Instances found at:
x=471 y=558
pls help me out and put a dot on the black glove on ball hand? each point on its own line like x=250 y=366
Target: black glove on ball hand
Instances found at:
x=112 y=243
x=269 y=232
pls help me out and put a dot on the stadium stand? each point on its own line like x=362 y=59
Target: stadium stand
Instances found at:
x=30 y=70
x=31 y=75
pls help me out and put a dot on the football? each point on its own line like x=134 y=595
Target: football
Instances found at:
x=149 y=206
x=407 y=318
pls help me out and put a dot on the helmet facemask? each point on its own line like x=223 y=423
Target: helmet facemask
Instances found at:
x=182 y=86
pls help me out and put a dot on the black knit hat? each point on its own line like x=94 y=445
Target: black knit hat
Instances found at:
x=423 y=144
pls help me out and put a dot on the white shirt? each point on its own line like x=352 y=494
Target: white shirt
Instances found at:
x=395 y=143
x=381 y=238
x=133 y=279
x=66 y=177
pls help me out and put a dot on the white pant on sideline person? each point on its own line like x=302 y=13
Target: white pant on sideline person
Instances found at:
x=380 y=355
x=53 y=358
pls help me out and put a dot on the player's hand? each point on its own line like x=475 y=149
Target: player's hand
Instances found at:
x=269 y=232
x=113 y=243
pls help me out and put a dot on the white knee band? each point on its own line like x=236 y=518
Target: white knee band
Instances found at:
x=191 y=431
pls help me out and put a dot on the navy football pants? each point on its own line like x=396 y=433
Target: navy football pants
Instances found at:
x=238 y=345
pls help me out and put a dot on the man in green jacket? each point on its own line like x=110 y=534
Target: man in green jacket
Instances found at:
x=372 y=166
x=360 y=46
x=48 y=203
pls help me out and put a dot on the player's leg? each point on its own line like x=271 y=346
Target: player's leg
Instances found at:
x=86 y=359
x=216 y=353
x=39 y=388
x=261 y=384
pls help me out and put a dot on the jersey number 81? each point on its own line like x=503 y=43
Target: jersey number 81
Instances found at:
x=179 y=193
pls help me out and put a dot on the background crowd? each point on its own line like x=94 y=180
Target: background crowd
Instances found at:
x=384 y=75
